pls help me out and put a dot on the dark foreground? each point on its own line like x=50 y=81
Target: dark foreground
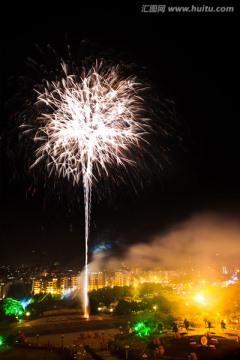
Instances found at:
x=139 y=348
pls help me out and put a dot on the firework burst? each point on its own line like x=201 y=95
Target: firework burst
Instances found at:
x=88 y=124
x=92 y=122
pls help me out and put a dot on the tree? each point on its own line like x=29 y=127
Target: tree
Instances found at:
x=150 y=288
x=17 y=292
x=123 y=308
x=169 y=321
x=12 y=307
x=93 y=305
x=161 y=303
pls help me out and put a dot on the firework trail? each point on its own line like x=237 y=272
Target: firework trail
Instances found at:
x=86 y=124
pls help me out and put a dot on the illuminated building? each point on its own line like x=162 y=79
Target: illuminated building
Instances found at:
x=64 y=283
x=109 y=278
x=74 y=285
x=96 y=280
x=52 y=286
x=49 y=286
x=37 y=286
x=122 y=278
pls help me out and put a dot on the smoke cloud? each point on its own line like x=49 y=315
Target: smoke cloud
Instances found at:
x=202 y=241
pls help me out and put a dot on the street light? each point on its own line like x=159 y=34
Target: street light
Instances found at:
x=37 y=338
x=62 y=336
x=27 y=314
x=126 y=348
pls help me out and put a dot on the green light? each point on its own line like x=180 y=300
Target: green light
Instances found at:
x=43 y=297
x=142 y=329
x=1 y=341
x=12 y=307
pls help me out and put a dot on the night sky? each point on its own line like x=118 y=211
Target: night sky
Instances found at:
x=193 y=60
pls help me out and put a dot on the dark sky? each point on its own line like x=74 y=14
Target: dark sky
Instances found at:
x=193 y=60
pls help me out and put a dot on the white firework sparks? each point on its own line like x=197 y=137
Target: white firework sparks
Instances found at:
x=92 y=123
x=93 y=120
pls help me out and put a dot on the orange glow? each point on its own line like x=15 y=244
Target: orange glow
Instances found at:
x=199 y=298
x=86 y=315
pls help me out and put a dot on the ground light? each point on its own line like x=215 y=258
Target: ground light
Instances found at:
x=126 y=349
x=1 y=341
x=28 y=314
x=141 y=329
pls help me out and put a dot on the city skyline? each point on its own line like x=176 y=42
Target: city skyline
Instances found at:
x=200 y=185
x=64 y=280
